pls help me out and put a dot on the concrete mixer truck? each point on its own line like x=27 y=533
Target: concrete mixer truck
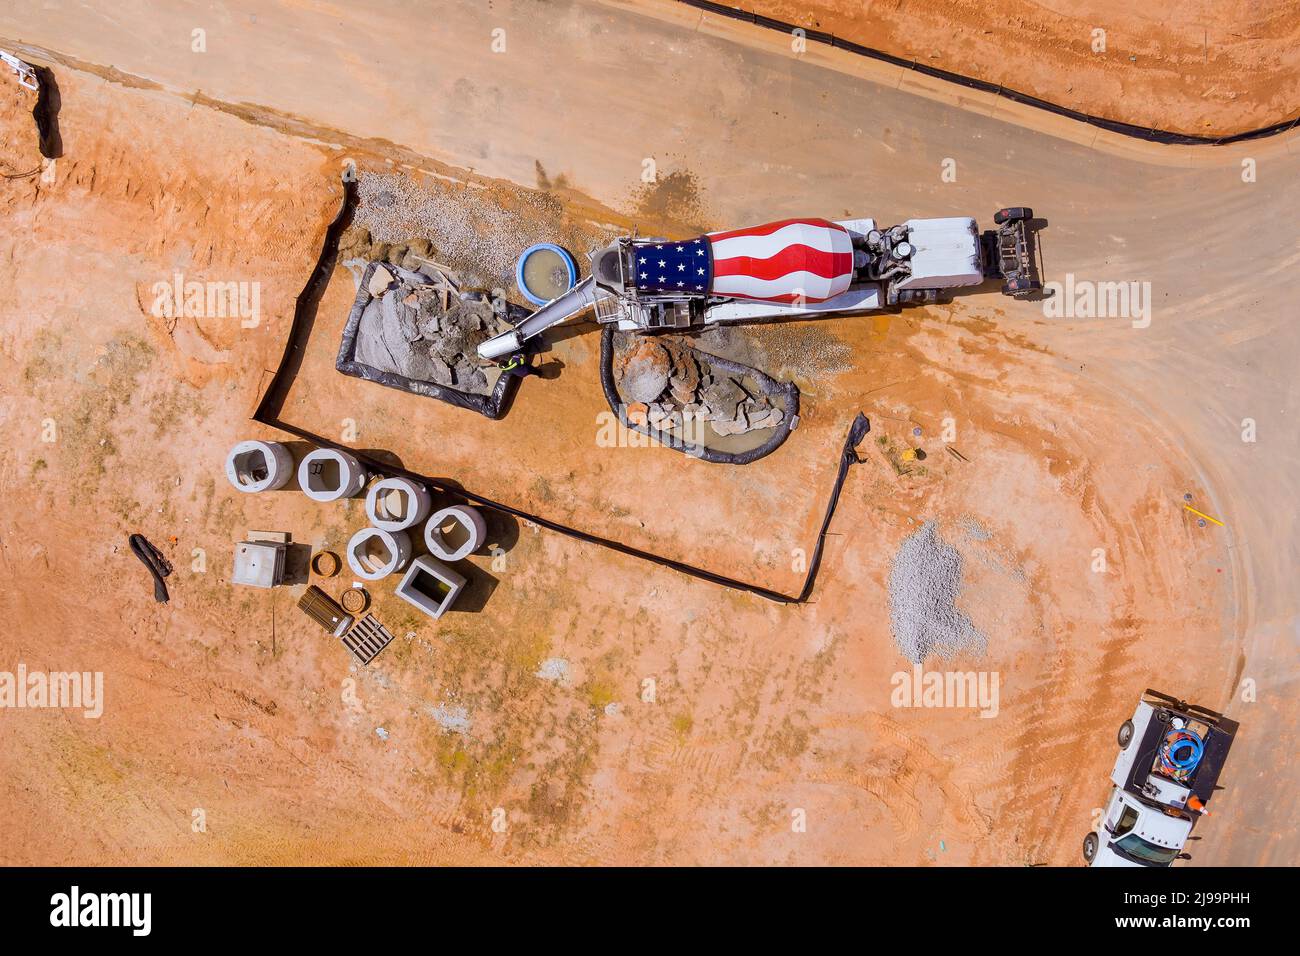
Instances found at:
x=793 y=268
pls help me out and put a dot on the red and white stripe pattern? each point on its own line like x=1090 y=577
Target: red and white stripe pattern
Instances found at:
x=792 y=260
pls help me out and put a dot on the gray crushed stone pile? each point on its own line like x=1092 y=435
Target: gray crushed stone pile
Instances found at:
x=418 y=328
x=481 y=238
x=924 y=584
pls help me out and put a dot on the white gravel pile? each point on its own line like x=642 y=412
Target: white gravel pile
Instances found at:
x=923 y=587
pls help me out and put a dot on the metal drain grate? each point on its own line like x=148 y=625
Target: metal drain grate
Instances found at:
x=367 y=639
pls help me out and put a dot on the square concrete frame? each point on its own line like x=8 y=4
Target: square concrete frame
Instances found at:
x=414 y=587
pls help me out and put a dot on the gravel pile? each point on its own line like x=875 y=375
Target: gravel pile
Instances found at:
x=468 y=233
x=808 y=351
x=923 y=587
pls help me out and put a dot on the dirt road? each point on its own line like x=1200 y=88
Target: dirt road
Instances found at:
x=1085 y=433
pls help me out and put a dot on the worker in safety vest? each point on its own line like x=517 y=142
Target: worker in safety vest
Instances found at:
x=518 y=366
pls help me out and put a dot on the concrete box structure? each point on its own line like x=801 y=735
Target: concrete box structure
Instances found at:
x=374 y=553
x=464 y=534
x=259 y=564
x=254 y=466
x=395 y=504
x=431 y=586
x=328 y=475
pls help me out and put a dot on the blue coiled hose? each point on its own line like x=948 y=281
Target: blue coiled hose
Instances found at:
x=1177 y=741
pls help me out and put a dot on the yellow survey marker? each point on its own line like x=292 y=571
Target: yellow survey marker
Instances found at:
x=1204 y=515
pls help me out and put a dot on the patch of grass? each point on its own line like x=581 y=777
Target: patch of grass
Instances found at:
x=599 y=693
x=41 y=369
x=167 y=412
x=85 y=424
x=525 y=653
x=542 y=491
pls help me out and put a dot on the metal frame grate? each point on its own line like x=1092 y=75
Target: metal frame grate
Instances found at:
x=367 y=639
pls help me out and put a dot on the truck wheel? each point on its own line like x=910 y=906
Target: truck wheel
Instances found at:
x=1090 y=844
x=1125 y=735
x=1011 y=214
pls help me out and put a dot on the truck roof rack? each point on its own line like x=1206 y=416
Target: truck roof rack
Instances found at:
x=1175 y=704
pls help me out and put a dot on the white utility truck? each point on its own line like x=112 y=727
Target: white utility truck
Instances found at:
x=1170 y=757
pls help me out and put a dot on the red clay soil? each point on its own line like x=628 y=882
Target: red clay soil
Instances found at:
x=1193 y=67
x=236 y=731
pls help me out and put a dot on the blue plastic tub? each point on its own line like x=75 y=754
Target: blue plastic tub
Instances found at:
x=538 y=247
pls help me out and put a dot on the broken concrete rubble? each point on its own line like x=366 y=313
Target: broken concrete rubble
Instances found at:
x=667 y=383
x=645 y=371
x=421 y=327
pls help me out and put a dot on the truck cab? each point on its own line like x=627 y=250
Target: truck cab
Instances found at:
x=1133 y=834
x=1171 y=754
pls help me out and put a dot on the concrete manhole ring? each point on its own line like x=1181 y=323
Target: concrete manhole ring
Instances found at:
x=254 y=466
x=374 y=553
x=464 y=536
x=395 y=504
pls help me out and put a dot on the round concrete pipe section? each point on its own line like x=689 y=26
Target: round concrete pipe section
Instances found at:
x=328 y=475
x=395 y=504
x=455 y=533
x=374 y=553
x=254 y=466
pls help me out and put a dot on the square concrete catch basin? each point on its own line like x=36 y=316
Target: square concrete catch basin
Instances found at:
x=259 y=564
x=430 y=585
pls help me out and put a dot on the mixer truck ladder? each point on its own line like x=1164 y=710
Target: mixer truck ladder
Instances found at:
x=26 y=74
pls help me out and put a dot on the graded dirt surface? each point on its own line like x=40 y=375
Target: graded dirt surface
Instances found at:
x=606 y=709
x=1200 y=67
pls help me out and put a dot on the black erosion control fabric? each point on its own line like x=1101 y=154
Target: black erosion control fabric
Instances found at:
x=156 y=562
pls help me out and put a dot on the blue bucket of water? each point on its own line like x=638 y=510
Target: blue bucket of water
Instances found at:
x=564 y=257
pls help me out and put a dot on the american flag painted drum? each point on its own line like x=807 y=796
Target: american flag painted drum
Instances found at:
x=775 y=262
